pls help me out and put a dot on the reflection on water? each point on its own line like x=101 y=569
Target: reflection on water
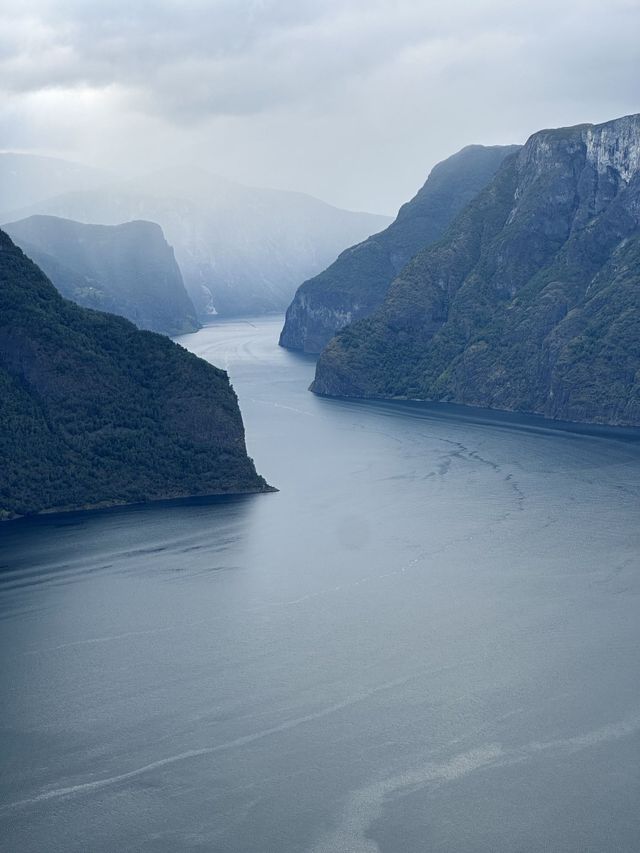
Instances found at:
x=427 y=640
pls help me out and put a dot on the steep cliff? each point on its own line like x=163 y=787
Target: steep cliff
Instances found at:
x=127 y=269
x=94 y=412
x=530 y=302
x=357 y=282
x=241 y=250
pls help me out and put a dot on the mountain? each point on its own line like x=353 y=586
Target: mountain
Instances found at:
x=530 y=302
x=241 y=250
x=125 y=269
x=357 y=282
x=94 y=412
x=26 y=179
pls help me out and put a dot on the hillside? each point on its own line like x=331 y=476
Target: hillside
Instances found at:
x=125 y=269
x=27 y=179
x=530 y=302
x=241 y=250
x=357 y=282
x=94 y=412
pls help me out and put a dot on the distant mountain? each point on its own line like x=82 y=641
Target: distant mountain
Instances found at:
x=27 y=179
x=241 y=250
x=531 y=301
x=125 y=269
x=357 y=282
x=94 y=412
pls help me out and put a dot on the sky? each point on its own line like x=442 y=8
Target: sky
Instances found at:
x=352 y=101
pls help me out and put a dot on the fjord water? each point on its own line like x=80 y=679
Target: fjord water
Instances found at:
x=428 y=640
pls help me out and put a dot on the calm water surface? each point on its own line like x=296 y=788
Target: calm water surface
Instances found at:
x=428 y=640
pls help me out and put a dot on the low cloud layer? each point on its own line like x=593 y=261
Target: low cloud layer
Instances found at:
x=352 y=101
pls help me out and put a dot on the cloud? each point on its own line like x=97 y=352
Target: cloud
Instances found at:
x=311 y=93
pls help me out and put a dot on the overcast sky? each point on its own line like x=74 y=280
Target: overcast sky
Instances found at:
x=350 y=100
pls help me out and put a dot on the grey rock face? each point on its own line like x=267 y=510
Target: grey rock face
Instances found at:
x=357 y=282
x=127 y=269
x=241 y=250
x=531 y=302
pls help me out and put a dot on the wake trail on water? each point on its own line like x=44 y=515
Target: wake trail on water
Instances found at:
x=365 y=805
x=90 y=641
x=98 y=784
x=258 y=608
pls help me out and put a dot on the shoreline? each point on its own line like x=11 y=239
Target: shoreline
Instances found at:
x=107 y=506
x=504 y=418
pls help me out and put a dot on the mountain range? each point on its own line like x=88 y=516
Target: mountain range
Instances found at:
x=357 y=282
x=95 y=412
x=127 y=269
x=27 y=179
x=241 y=250
x=531 y=299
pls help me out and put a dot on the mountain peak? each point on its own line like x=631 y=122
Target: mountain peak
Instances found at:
x=98 y=413
x=530 y=302
x=615 y=145
x=356 y=283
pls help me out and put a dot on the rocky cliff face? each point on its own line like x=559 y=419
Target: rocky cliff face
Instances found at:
x=357 y=282
x=127 y=269
x=531 y=302
x=241 y=250
x=94 y=412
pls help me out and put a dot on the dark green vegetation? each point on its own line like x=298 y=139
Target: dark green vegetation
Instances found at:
x=530 y=302
x=125 y=269
x=94 y=412
x=357 y=282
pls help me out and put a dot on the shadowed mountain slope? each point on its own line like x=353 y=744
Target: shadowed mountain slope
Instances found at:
x=241 y=250
x=357 y=282
x=125 y=269
x=94 y=412
x=530 y=302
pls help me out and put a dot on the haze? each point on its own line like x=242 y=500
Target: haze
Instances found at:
x=350 y=101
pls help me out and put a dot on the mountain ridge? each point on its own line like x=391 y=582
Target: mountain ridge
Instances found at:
x=241 y=250
x=127 y=269
x=26 y=179
x=356 y=283
x=95 y=412
x=508 y=310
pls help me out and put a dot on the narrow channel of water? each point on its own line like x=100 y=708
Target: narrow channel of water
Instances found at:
x=428 y=640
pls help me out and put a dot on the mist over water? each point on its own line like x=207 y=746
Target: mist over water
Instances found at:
x=426 y=641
